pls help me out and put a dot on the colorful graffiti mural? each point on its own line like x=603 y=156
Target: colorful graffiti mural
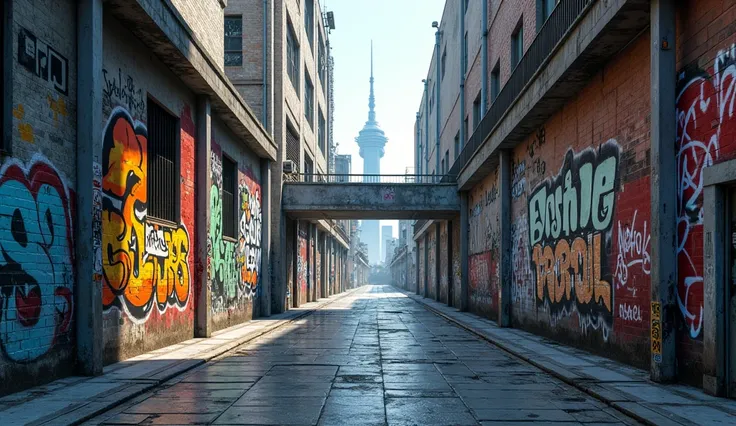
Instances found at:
x=302 y=265
x=705 y=113
x=145 y=264
x=36 y=259
x=570 y=216
x=234 y=267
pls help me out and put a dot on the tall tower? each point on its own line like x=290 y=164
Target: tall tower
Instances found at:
x=371 y=141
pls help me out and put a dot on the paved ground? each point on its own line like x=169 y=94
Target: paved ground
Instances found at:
x=372 y=358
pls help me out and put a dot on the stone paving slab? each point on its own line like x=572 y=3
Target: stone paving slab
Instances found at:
x=618 y=385
x=73 y=400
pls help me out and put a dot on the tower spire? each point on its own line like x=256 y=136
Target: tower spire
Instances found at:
x=371 y=97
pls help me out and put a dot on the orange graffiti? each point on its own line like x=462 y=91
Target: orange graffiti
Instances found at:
x=143 y=263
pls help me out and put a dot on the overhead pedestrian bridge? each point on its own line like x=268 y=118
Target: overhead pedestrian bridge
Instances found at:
x=335 y=196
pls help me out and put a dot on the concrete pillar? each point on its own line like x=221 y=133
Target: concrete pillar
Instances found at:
x=426 y=265
x=203 y=316
x=664 y=192
x=504 y=293
x=450 y=271
x=464 y=251
x=265 y=292
x=313 y=266
x=437 y=254
x=418 y=279
x=295 y=265
x=88 y=239
x=325 y=268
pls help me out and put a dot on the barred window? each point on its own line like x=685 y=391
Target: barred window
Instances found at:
x=234 y=41
x=163 y=163
x=309 y=20
x=229 y=196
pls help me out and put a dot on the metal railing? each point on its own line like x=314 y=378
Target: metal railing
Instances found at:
x=562 y=19
x=351 y=178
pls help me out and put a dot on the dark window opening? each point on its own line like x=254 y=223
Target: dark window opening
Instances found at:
x=229 y=196
x=457 y=144
x=517 y=44
x=163 y=163
x=308 y=169
x=467 y=135
x=430 y=100
x=447 y=162
x=292 y=146
x=322 y=133
x=308 y=100
x=309 y=20
x=495 y=81
x=544 y=11
x=465 y=53
x=292 y=57
x=476 y=112
x=233 y=41
x=443 y=63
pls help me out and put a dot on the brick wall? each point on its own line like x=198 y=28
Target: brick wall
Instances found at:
x=151 y=305
x=206 y=20
x=484 y=244
x=444 y=262
x=37 y=196
x=234 y=262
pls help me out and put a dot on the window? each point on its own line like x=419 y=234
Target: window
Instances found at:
x=442 y=166
x=163 y=163
x=544 y=11
x=308 y=100
x=308 y=169
x=292 y=145
x=444 y=62
x=309 y=20
x=476 y=111
x=465 y=10
x=322 y=133
x=292 y=58
x=467 y=135
x=229 y=194
x=457 y=144
x=233 y=41
x=322 y=63
x=430 y=100
x=447 y=162
x=465 y=53
x=495 y=81
x=517 y=44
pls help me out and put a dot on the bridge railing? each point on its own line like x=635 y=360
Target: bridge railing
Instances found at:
x=353 y=178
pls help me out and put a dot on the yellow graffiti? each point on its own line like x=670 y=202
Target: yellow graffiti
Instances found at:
x=58 y=107
x=24 y=129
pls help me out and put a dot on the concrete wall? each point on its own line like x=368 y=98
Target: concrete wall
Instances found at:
x=37 y=194
x=148 y=298
x=234 y=265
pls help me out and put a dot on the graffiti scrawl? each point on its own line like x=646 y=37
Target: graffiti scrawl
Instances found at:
x=570 y=218
x=145 y=264
x=36 y=259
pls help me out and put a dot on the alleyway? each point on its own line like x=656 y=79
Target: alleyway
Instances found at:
x=373 y=357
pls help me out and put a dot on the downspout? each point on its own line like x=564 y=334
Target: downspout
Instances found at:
x=463 y=71
x=418 y=136
x=439 y=89
x=484 y=60
x=264 y=101
x=425 y=146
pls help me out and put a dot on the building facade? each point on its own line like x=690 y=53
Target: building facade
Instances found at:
x=277 y=57
x=561 y=147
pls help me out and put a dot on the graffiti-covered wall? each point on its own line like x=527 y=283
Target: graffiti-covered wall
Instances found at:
x=484 y=243
x=432 y=262
x=147 y=264
x=302 y=263
x=234 y=262
x=580 y=217
x=421 y=282
x=444 y=262
x=37 y=200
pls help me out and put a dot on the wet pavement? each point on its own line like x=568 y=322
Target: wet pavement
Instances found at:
x=375 y=357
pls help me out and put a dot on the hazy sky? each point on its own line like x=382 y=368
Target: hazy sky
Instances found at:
x=403 y=41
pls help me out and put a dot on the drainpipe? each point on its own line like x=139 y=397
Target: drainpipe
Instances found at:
x=425 y=169
x=264 y=101
x=439 y=89
x=484 y=59
x=463 y=71
x=418 y=162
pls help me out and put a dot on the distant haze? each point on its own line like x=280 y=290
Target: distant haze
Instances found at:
x=403 y=41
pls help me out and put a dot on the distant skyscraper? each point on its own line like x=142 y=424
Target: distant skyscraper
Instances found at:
x=387 y=234
x=371 y=141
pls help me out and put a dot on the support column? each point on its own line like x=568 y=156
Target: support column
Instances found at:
x=464 y=251
x=325 y=268
x=418 y=279
x=88 y=244
x=203 y=305
x=504 y=294
x=295 y=266
x=426 y=266
x=664 y=309
x=265 y=291
x=437 y=254
x=450 y=271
